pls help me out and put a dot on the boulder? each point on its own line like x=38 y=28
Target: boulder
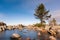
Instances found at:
x=52 y=38
x=15 y=36
x=0 y=30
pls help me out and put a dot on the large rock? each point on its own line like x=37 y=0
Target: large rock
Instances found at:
x=52 y=38
x=0 y=29
x=15 y=36
x=2 y=26
x=9 y=27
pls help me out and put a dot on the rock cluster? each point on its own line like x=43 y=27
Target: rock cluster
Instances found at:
x=2 y=26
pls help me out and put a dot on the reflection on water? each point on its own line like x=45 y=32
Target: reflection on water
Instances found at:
x=5 y=35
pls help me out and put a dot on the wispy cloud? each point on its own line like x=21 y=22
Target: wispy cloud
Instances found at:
x=56 y=15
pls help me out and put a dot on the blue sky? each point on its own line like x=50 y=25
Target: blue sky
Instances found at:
x=21 y=11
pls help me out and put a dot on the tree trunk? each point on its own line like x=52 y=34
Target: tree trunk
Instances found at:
x=41 y=22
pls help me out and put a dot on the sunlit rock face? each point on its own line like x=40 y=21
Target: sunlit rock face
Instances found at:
x=9 y=27
x=52 y=38
x=20 y=26
x=12 y=27
x=15 y=36
x=2 y=26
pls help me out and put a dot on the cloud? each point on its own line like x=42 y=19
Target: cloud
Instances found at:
x=56 y=15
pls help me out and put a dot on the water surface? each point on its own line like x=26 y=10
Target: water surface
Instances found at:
x=5 y=35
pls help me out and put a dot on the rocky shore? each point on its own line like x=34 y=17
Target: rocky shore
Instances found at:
x=49 y=33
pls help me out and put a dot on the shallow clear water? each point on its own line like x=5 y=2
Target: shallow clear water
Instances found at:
x=5 y=35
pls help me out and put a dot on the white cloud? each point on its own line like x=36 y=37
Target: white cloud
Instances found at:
x=56 y=15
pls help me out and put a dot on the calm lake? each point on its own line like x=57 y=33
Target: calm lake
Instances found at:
x=5 y=35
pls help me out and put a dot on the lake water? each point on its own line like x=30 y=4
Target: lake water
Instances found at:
x=5 y=35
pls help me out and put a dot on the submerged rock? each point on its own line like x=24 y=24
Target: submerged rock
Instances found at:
x=39 y=34
x=28 y=38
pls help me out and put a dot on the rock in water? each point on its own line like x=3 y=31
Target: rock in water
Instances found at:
x=15 y=36
x=0 y=30
x=39 y=34
x=28 y=38
x=52 y=38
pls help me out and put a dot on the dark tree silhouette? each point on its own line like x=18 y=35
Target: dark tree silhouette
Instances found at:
x=41 y=13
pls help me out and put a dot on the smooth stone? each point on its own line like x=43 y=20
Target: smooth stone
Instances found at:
x=15 y=35
x=52 y=38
